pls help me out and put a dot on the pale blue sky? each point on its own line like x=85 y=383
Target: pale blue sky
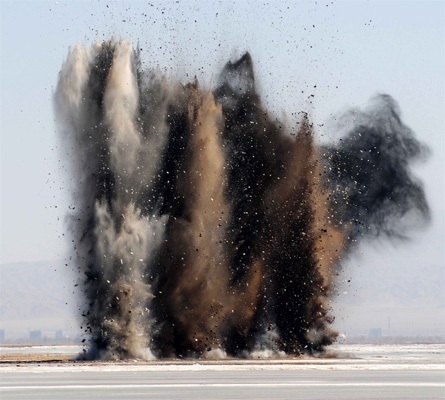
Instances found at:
x=349 y=50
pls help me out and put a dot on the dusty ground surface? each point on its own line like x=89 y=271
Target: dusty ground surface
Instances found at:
x=34 y=358
x=344 y=355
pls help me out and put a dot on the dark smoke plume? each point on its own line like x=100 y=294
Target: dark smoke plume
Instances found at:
x=206 y=228
x=368 y=173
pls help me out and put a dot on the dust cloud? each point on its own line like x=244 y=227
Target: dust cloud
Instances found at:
x=203 y=226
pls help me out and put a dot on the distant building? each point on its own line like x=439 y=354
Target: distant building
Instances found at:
x=2 y=335
x=35 y=335
x=375 y=333
x=59 y=335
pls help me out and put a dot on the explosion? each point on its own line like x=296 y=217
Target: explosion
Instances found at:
x=206 y=228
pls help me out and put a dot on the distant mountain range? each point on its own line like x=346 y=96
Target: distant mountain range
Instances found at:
x=43 y=296
x=37 y=296
x=399 y=299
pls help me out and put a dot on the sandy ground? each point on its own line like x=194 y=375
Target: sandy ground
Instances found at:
x=430 y=356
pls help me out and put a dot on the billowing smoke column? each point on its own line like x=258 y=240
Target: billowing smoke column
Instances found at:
x=203 y=227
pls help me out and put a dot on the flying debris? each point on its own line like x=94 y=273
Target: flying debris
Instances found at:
x=206 y=228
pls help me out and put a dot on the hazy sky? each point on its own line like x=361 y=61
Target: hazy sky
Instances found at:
x=349 y=50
